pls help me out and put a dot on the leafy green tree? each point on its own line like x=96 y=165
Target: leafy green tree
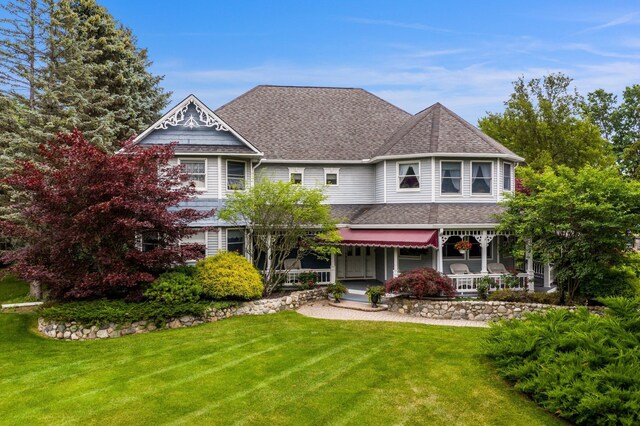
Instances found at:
x=619 y=124
x=282 y=220
x=542 y=123
x=581 y=222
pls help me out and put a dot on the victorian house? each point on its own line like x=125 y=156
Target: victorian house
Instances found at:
x=406 y=188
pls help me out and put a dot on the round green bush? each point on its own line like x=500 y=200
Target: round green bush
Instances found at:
x=174 y=288
x=227 y=275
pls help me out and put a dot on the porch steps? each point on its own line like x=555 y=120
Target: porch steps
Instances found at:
x=358 y=306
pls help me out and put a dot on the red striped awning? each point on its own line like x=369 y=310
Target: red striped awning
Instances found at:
x=411 y=238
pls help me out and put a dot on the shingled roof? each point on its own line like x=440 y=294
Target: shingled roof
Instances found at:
x=313 y=123
x=437 y=129
x=417 y=213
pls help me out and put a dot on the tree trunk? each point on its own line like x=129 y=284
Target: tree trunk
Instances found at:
x=35 y=290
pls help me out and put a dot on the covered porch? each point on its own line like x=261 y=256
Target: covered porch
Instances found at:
x=373 y=256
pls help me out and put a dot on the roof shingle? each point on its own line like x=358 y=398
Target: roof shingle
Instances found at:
x=313 y=123
x=417 y=213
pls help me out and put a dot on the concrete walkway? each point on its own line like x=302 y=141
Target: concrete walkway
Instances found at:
x=322 y=309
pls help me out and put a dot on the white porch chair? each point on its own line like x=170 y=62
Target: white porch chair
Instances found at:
x=497 y=268
x=292 y=264
x=459 y=268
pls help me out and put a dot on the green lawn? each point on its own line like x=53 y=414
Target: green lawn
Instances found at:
x=275 y=369
x=13 y=290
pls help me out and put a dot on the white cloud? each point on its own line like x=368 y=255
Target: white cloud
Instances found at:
x=396 y=24
x=621 y=20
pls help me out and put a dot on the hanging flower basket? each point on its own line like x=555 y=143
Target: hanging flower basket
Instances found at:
x=463 y=245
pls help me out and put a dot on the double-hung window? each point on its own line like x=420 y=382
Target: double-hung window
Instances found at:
x=451 y=177
x=481 y=177
x=236 y=172
x=199 y=237
x=197 y=171
x=409 y=175
x=506 y=178
x=235 y=240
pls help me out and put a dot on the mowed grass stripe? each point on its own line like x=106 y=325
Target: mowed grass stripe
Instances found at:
x=297 y=371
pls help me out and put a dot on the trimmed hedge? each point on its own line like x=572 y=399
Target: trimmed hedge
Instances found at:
x=580 y=366
x=100 y=312
x=227 y=275
x=174 y=288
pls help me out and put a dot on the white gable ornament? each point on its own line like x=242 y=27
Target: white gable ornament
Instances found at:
x=178 y=119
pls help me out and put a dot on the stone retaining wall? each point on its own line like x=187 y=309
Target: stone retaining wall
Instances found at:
x=74 y=331
x=470 y=310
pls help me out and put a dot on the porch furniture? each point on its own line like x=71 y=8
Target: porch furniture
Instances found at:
x=497 y=268
x=459 y=268
x=292 y=264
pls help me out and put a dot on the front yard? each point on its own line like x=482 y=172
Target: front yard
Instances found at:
x=274 y=369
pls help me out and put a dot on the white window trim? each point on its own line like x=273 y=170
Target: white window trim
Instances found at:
x=244 y=244
x=299 y=170
x=226 y=174
x=206 y=170
x=511 y=177
x=398 y=189
x=206 y=244
x=452 y=194
x=490 y=194
x=332 y=171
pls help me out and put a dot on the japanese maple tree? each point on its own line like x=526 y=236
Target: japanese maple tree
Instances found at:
x=82 y=213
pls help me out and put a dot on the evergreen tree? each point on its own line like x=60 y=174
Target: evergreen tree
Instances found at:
x=96 y=79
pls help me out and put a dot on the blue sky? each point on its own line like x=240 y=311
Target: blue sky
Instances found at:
x=464 y=54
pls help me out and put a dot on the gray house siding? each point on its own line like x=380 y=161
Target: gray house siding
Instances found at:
x=396 y=195
x=356 y=184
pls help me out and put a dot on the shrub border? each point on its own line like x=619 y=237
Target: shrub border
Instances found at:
x=75 y=331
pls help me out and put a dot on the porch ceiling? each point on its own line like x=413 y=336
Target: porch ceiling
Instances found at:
x=410 y=238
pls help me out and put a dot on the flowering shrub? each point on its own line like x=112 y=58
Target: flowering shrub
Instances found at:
x=422 y=282
x=463 y=245
x=307 y=280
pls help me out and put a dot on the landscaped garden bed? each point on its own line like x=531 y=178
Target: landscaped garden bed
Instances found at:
x=106 y=319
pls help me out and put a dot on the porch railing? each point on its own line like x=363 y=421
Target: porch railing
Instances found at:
x=467 y=283
x=324 y=276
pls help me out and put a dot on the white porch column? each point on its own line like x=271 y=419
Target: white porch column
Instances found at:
x=549 y=275
x=483 y=245
x=530 y=271
x=441 y=241
x=396 y=267
x=332 y=274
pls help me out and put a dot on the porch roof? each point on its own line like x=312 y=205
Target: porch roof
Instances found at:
x=434 y=215
x=410 y=238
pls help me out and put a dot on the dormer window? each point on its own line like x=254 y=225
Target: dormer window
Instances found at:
x=197 y=171
x=296 y=175
x=409 y=175
x=451 y=175
x=481 y=173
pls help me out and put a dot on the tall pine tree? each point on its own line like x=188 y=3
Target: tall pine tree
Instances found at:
x=96 y=79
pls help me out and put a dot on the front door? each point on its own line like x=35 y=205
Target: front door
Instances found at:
x=356 y=262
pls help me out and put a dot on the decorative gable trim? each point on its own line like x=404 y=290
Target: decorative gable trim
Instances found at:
x=206 y=117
